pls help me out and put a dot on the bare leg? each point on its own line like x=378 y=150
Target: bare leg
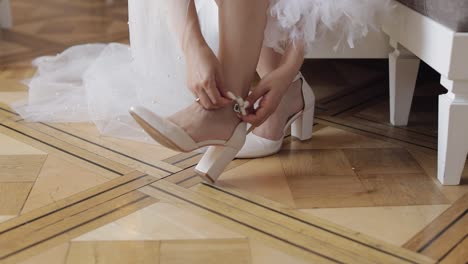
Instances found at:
x=292 y=101
x=242 y=23
x=269 y=61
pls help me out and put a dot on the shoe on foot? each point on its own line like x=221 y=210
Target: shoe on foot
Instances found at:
x=301 y=127
x=168 y=134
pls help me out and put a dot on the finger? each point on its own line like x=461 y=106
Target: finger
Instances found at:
x=214 y=95
x=259 y=117
x=221 y=87
x=205 y=101
x=257 y=93
x=253 y=120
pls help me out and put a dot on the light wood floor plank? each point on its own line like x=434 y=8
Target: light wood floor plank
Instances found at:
x=50 y=144
x=320 y=247
x=207 y=251
x=20 y=168
x=12 y=196
x=115 y=252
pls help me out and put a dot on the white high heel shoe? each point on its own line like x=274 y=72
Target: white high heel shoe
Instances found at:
x=301 y=128
x=168 y=134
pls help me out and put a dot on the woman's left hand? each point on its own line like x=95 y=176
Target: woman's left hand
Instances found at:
x=270 y=90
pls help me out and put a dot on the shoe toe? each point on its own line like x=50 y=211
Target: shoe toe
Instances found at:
x=257 y=147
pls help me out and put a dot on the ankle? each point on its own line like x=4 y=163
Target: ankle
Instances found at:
x=203 y=124
x=294 y=95
x=226 y=112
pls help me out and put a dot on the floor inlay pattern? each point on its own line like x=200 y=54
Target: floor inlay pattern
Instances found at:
x=360 y=191
x=445 y=239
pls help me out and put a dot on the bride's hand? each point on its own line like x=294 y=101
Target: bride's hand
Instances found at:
x=270 y=90
x=204 y=77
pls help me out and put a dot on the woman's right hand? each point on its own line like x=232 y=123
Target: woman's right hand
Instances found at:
x=205 y=77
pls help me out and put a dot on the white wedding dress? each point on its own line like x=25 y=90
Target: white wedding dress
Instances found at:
x=99 y=82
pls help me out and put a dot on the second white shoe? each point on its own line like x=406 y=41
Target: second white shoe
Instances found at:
x=301 y=128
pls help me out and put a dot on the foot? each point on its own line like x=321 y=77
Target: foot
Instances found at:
x=203 y=125
x=290 y=104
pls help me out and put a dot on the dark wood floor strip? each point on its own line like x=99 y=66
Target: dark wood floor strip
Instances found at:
x=301 y=220
x=362 y=101
x=187 y=158
x=405 y=129
x=438 y=226
x=410 y=134
x=107 y=148
x=62 y=150
x=192 y=181
x=176 y=159
x=188 y=162
x=374 y=247
x=352 y=97
x=6 y=110
x=245 y=224
x=22 y=243
x=57 y=218
x=187 y=179
x=346 y=124
x=180 y=176
x=448 y=240
x=68 y=202
x=180 y=157
x=160 y=186
x=458 y=255
x=44 y=224
x=75 y=226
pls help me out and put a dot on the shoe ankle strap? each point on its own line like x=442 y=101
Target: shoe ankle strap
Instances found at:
x=241 y=104
x=298 y=77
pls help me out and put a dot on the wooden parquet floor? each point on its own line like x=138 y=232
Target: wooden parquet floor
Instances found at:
x=360 y=191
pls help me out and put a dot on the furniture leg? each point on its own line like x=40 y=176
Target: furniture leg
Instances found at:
x=453 y=131
x=403 y=67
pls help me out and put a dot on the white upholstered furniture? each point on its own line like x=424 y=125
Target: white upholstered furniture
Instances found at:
x=5 y=14
x=374 y=46
x=414 y=37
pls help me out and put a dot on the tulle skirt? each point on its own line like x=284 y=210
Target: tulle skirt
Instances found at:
x=100 y=82
x=310 y=20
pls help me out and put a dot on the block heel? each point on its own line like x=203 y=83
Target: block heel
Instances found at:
x=214 y=161
x=302 y=127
